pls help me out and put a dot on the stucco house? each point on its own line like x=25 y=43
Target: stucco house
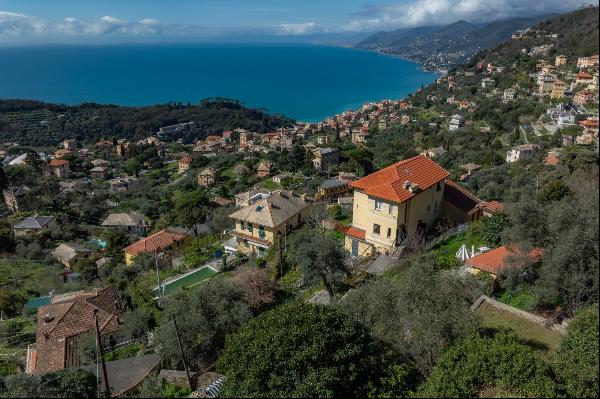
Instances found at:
x=69 y=253
x=264 y=169
x=523 y=152
x=184 y=164
x=12 y=195
x=60 y=167
x=259 y=224
x=325 y=158
x=207 y=177
x=389 y=205
x=33 y=224
x=331 y=189
x=132 y=222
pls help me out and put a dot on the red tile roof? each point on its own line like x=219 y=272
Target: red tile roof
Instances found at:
x=58 y=162
x=388 y=183
x=492 y=206
x=589 y=122
x=60 y=324
x=186 y=159
x=156 y=242
x=551 y=160
x=584 y=75
x=356 y=233
x=494 y=261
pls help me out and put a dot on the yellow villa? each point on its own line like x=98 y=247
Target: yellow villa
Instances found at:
x=259 y=224
x=393 y=203
x=558 y=89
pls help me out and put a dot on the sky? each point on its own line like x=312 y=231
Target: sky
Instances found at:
x=91 y=21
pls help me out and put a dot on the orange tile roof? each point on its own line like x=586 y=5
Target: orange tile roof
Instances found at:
x=589 y=122
x=58 y=162
x=584 y=75
x=492 y=206
x=388 y=183
x=186 y=159
x=356 y=232
x=493 y=261
x=551 y=160
x=156 y=242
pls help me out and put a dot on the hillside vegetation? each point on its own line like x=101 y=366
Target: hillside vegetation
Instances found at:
x=40 y=124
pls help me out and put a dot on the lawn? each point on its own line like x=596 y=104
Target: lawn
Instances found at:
x=543 y=341
x=520 y=300
x=446 y=252
x=190 y=280
x=228 y=173
x=270 y=185
x=31 y=278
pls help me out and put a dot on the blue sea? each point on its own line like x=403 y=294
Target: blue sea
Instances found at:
x=305 y=82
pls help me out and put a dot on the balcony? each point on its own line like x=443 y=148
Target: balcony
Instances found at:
x=252 y=239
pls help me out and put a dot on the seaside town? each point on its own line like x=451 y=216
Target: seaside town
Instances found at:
x=179 y=255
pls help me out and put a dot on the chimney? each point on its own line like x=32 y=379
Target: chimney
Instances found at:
x=406 y=185
x=414 y=188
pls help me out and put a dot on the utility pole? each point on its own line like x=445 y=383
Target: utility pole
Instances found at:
x=158 y=279
x=187 y=370
x=101 y=353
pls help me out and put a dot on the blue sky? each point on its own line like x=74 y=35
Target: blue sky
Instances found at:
x=47 y=21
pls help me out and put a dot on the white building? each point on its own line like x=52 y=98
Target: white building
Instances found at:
x=509 y=94
x=565 y=119
x=456 y=122
x=488 y=82
x=522 y=152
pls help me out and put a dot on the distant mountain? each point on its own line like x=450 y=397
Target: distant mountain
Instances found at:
x=442 y=47
x=577 y=36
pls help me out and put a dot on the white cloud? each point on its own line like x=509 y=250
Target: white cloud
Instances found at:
x=15 y=24
x=439 y=12
x=306 y=28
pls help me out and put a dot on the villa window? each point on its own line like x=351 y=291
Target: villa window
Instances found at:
x=242 y=225
x=250 y=227
x=391 y=209
x=378 y=205
x=389 y=232
x=376 y=229
x=438 y=187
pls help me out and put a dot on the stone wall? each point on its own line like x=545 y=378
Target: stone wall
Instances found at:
x=518 y=312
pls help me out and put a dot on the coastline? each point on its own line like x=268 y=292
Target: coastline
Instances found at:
x=422 y=67
x=329 y=82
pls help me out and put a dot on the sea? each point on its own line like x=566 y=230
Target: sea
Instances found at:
x=306 y=82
